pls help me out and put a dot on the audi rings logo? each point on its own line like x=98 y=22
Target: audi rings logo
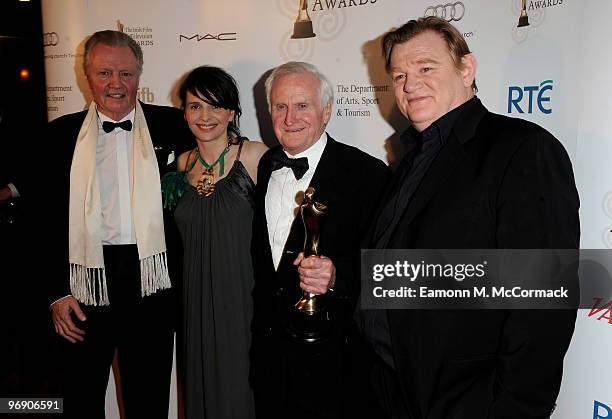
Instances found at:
x=449 y=11
x=50 y=39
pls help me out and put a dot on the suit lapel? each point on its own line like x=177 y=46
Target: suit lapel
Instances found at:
x=322 y=180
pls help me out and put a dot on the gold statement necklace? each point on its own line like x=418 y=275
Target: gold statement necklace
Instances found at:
x=206 y=184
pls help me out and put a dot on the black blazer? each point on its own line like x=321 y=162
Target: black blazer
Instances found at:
x=169 y=134
x=498 y=182
x=349 y=182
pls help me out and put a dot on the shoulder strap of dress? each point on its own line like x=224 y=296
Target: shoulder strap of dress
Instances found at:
x=193 y=163
x=242 y=140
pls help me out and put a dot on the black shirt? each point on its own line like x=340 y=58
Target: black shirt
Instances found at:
x=422 y=148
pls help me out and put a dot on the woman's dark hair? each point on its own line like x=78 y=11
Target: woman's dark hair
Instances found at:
x=216 y=87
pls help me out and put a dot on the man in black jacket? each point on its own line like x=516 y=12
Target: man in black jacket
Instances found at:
x=292 y=377
x=470 y=180
x=111 y=257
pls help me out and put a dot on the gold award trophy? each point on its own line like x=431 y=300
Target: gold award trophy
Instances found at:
x=523 y=18
x=302 y=28
x=311 y=213
x=310 y=319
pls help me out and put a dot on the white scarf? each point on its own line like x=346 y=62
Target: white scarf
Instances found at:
x=87 y=274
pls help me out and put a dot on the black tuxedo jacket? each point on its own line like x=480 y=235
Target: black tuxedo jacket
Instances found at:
x=169 y=134
x=349 y=182
x=498 y=182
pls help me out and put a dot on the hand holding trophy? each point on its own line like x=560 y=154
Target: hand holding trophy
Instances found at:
x=311 y=213
x=310 y=319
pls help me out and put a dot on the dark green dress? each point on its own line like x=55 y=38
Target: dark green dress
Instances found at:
x=217 y=304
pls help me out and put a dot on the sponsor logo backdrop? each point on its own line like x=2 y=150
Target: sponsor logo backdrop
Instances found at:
x=555 y=72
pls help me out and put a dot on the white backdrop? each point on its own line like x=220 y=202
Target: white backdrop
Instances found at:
x=562 y=62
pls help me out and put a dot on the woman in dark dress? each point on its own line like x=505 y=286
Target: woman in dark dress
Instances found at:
x=213 y=195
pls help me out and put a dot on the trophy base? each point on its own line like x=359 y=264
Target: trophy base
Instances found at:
x=523 y=21
x=310 y=303
x=302 y=29
x=307 y=327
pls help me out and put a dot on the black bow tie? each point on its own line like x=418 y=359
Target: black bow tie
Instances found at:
x=108 y=126
x=299 y=166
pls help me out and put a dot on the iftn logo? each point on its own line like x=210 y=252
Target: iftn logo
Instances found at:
x=537 y=94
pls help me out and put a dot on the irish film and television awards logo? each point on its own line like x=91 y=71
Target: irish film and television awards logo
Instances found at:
x=142 y=34
x=529 y=14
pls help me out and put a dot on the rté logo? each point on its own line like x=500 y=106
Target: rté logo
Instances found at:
x=539 y=94
x=600 y=409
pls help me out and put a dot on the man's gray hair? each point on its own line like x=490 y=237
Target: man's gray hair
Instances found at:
x=326 y=91
x=113 y=39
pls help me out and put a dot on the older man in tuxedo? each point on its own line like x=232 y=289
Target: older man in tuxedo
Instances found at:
x=111 y=257
x=293 y=376
x=471 y=180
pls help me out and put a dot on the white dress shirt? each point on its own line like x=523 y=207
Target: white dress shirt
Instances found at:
x=114 y=163
x=284 y=196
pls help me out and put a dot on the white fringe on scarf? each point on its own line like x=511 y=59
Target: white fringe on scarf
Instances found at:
x=88 y=285
x=154 y=274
